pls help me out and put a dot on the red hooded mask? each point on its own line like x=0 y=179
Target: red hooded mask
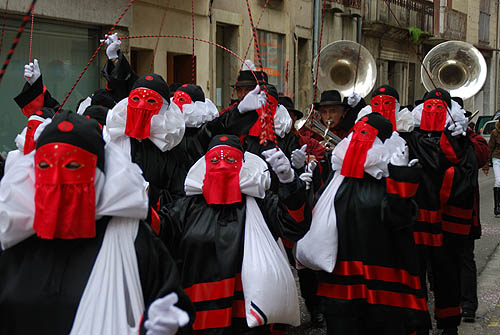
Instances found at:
x=181 y=98
x=221 y=185
x=29 y=140
x=433 y=115
x=143 y=104
x=64 y=192
x=385 y=105
x=362 y=140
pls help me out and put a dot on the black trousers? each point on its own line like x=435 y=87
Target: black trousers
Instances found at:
x=468 y=274
x=445 y=263
x=308 y=280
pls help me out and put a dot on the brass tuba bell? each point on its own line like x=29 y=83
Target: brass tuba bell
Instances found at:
x=456 y=66
x=346 y=66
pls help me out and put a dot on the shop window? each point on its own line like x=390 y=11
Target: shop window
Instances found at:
x=62 y=51
x=272 y=55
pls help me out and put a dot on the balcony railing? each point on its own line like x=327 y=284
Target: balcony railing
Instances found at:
x=409 y=13
x=452 y=24
x=348 y=3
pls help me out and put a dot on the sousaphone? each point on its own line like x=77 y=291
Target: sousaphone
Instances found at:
x=346 y=66
x=456 y=66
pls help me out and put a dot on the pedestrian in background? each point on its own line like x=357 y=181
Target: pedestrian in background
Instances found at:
x=494 y=145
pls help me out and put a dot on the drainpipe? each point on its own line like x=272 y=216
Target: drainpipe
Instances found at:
x=317 y=18
x=497 y=59
x=359 y=21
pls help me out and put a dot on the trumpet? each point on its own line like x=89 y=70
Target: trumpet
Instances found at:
x=330 y=140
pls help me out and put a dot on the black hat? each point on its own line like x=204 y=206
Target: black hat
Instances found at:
x=102 y=97
x=383 y=125
x=386 y=90
x=287 y=102
x=154 y=82
x=329 y=98
x=194 y=91
x=459 y=101
x=71 y=128
x=173 y=87
x=98 y=113
x=246 y=78
x=439 y=93
x=227 y=140
x=45 y=113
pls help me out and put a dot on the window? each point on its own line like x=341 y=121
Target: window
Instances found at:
x=62 y=52
x=272 y=53
x=484 y=22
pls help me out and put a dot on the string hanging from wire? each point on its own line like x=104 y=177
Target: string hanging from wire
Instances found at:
x=31 y=34
x=158 y=39
x=15 y=42
x=96 y=53
x=3 y=24
x=250 y=43
x=265 y=136
x=193 y=59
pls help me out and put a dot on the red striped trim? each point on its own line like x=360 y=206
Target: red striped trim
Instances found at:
x=375 y=297
x=238 y=285
x=425 y=215
x=375 y=272
x=423 y=238
x=445 y=191
x=404 y=190
x=257 y=317
x=155 y=221
x=211 y=291
x=218 y=318
x=447 y=312
x=298 y=214
x=456 y=228
x=458 y=212
x=447 y=149
x=239 y=309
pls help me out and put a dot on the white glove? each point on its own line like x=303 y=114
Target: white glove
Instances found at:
x=299 y=157
x=456 y=129
x=164 y=318
x=353 y=99
x=413 y=162
x=280 y=165
x=32 y=72
x=252 y=101
x=400 y=158
x=113 y=44
x=306 y=177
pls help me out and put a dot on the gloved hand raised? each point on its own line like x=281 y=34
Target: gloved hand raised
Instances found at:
x=32 y=72
x=254 y=100
x=456 y=129
x=400 y=158
x=164 y=318
x=113 y=44
x=299 y=157
x=280 y=165
x=306 y=177
x=353 y=99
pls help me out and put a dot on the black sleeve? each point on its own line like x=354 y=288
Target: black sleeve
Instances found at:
x=159 y=275
x=351 y=114
x=399 y=210
x=287 y=213
x=33 y=97
x=120 y=77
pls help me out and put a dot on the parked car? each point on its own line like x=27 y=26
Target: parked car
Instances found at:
x=487 y=128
